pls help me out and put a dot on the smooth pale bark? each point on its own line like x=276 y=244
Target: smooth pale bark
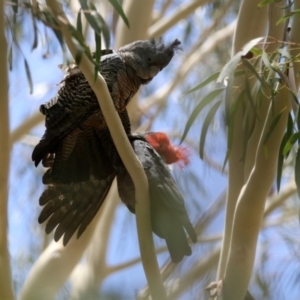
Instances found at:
x=163 y=24
x=88 y=275
x=250 y=207
x=249 y=26
x=5 y=275
x=41 y=283
x=294 y=37
x=93 y=266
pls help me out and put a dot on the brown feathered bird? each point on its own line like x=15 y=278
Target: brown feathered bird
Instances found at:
x=73 y=206
x=74 y=120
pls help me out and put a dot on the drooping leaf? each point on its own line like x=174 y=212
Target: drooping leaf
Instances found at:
x=266 y=2
x=273 y=125
x=280 y=162
x=97 y=55
x=28 y=75
x=298 y=119
x=287 y=135
x=35 y=32
x=95 y=20
x=120 y=11
x=230 y=111
x=247 y=64
x=203 y=83
x=205 y=126
x=15 y=6
x=231 y=65
x=46 y=17
x=79 y=22
x=290 y=143
x=204 y=102
x=287 y=16
x=103 y=26
x=10 y=57
x=250 y=98
x=211 y=79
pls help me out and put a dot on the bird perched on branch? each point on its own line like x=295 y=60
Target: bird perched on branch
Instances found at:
x=74 y=120
x=169 y=218
x=82 y=160
x=73 y=206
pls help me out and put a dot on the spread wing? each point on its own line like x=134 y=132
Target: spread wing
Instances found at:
x=73 y=122
x=72 y=207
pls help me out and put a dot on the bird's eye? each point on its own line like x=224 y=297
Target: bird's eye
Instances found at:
x=149 y=59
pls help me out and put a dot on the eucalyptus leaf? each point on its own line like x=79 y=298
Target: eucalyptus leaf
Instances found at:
x=119 y=9
x=204 y=102
x=28 y=75
x=206 y=123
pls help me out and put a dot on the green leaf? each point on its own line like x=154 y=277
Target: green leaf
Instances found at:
x=204 y=102
x=266 y=2
x=209 y=80
x=10 y=57
x=95 y=20
x=15 y=6
x=247 y=64
x=297 y=172
x=280 y=162
x=230 y=111
x=266 y=60
x=103 y=26
x=79 y=22
x=203 y=83
x=97 y=55
x=205 y=126
x=273 y=125
x=231 y=65
x=290 y=143
x=28 y=75
x=256 y=51
x=298 y=118
x=35 y=33
x=287 y=16
x=287 y=135
x=120 y=11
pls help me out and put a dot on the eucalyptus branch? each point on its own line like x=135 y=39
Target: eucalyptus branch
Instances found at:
x=254 y=25
x=95 y=265
x=25 y=127
x=163 y=24
x=59 y=260
x=250 y=207
x=162 y=11
x=5 y=274
x=127 y=155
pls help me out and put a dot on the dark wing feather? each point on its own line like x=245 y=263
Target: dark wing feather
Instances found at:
x=73 y=206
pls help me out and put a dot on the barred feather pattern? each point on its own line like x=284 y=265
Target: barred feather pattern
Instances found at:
x=71 y=207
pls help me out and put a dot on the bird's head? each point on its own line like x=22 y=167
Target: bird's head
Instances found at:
x=169 y=152
x=148 y=57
